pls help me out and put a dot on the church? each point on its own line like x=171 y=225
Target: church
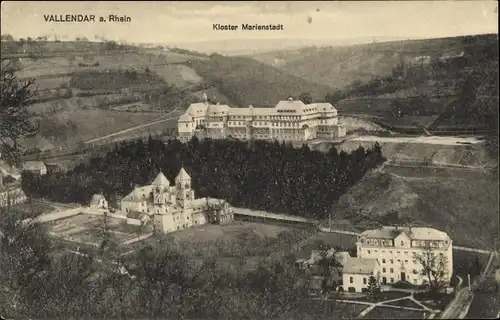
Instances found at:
x=173 y=208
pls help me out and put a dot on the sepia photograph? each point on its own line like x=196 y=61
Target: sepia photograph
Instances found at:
x=220 y=160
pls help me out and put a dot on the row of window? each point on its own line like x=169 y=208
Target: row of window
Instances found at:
x=392 y=261
x=397 y=253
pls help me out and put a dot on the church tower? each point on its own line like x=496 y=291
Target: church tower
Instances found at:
x=160 y=189
x=183 y=186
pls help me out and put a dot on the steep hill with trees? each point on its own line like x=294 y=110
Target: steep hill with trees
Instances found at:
x=249 y=82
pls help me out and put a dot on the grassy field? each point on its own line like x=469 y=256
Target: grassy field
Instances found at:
x=65 y=123
x=425 y=200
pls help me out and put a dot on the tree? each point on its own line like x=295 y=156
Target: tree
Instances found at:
x=7 y=37
x=306 y=98
x=475 y=267
x=434 y=268
x=373 y=288
x=15 y=121
x=109 y=241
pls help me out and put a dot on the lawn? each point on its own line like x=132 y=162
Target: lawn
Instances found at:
x=391 y=313
x=405 y=303
x=382 y=296
x=212 y=232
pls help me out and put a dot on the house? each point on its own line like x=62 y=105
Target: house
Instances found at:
x=174 y=208
x=10 y=194
x=289 y=120
x=396 y=249
x=98 y=202
x=357 y=271
x=320 y=278
x=35 y=167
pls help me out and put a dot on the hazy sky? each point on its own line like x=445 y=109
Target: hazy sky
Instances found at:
x=177 y=22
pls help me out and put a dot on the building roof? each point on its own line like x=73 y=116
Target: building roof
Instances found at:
x=139 y=194
x=95 y=199
x=325 y=107
x=217 y=109
x=185 y=118
x=33 y=165
x=414 y=233
x=359 y=265
x=183 y=175
x=198 y=109
x=215 y=201
x=250 y=111
x=160 y=180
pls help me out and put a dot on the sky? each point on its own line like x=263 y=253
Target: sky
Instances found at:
x=188 y=22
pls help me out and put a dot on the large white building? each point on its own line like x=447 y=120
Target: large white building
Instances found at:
x=173 y=208
x=395 y=249
x=290 y=120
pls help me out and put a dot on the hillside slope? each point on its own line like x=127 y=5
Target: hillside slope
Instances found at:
x=246 y=81
x=462 y=203
x=455 y=79
x=473 y=155
x=339 y=66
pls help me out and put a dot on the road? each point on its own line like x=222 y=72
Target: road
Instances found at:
x=130 y=129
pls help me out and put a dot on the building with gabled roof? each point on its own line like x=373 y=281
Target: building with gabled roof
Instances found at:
x=35 y=167
x=10 y=194
x=174 y=207
x=357 y=271
x=289 y=120
x=395 y=248
x=98 y=202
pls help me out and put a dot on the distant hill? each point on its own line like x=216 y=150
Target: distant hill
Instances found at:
x=454 y=80
x=341 y=65
x=246 y=81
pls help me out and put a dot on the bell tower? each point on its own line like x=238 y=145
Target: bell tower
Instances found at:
x=183 y=186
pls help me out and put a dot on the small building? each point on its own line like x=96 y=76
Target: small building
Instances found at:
x=98 y=202
x=357 y=272
x=10 y=194
x=35 y=167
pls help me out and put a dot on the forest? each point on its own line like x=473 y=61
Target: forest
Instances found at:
x=259 y=175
